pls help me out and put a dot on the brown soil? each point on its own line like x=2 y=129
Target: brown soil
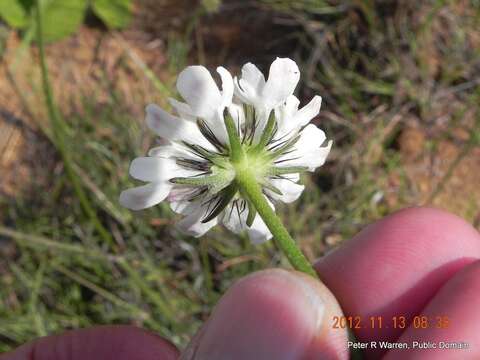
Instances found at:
x=428 y=169
x=90 y=62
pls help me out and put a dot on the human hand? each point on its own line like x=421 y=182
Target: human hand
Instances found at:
x=418 y=261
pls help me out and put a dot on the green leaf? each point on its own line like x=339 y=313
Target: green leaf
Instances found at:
x=114 y=13
x=61 y=17
x=13 y=13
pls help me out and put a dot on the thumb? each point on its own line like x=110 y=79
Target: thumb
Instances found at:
x=273 y=314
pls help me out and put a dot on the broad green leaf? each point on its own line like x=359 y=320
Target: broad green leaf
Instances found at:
x=13 y=13
x=211 y=5
x=114 y=13
x=62 y=18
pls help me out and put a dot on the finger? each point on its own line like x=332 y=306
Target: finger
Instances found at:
x=273 y=314
x=394 y=266
x=452 y=322
x=98 y=343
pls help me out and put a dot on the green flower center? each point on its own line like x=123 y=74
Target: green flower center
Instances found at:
x=246 y=155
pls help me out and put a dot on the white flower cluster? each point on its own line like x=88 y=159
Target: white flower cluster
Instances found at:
x=193 y=171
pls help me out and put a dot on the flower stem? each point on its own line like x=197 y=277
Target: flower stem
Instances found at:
x=248 y=183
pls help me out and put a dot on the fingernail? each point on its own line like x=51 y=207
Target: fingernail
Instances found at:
x=273 y=314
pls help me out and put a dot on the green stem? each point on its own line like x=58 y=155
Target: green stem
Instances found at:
x=248 y=183
x=58 y=128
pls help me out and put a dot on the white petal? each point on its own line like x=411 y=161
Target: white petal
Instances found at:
x=307 y=151
x=152 y=168
x=234 y=219
x=237 y=112
x=217 y=125
x=308 y=112
x=173 y=128
x=145 y=196
x=249 y=87
x=291 y=106
x=238 y=115
x=285 y=114
x=178 y=204
x=183 y=109
x=289 y=189
x=282 y=80
x=262 y=115
x=321 y=155
x=158 y=169
x=291 y=119
x=244 y=92
x=252 y=76
x=174 y=150
x=258 y=232
x=192 y=224
x=199 y=90
x=163 y=151
x=227 y=86
x=293 y=177
x=236 y=223
x=180 y=207
x=311 y=138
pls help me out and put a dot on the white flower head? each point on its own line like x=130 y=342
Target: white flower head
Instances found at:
x=196 y=172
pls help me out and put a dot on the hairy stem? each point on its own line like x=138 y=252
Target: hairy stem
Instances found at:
x=248 y=183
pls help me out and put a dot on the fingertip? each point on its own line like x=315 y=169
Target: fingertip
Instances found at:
x=273 y=314
x=97 y=343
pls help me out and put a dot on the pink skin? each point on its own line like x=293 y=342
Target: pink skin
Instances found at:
x=417 y=261
x=99 y=343
x=395 y=266
x=458 y=302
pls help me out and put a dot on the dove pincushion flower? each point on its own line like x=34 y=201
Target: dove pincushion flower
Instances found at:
x=221 y=142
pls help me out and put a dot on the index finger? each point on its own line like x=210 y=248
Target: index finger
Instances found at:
x=396 y=265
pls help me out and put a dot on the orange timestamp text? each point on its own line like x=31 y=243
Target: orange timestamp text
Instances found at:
x=392 y=322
